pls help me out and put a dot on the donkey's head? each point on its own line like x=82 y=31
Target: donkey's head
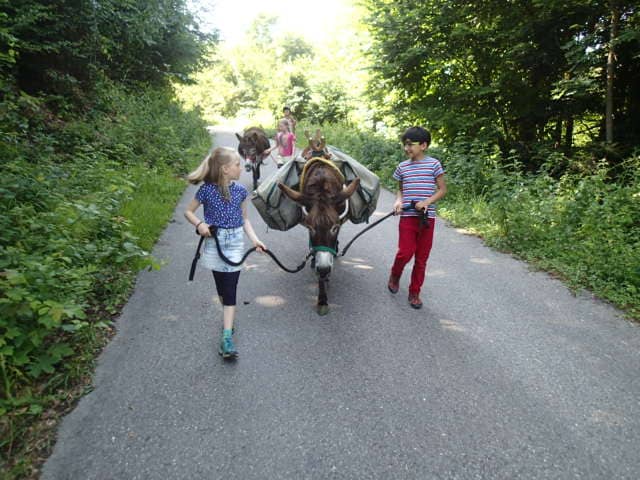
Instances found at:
x=317 y=147
x=324 y=200
x=252 y=143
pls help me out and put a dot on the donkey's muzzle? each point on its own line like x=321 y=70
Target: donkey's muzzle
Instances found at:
x=324 y=262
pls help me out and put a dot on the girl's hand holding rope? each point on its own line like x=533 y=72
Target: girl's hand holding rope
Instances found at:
x=203 y=229
x=260 y=247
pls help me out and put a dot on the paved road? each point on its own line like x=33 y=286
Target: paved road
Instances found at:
x=504 y=374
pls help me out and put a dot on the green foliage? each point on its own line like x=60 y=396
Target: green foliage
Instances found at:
x=329 y=104
x=56 y=242
x=64 y=47
x=255 y=79
x=83 y=199
x=584 y=227
x=89 y=177
x=153 y=201
x=516 y=74
x=293 y=48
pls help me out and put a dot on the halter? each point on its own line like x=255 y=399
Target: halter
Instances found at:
x=323 y=248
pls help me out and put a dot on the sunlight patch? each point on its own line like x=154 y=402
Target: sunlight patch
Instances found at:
x=353 y=260
x=357 y=263
x=363 y=267
x=607 y=418
x=451 y=325
x=252 y=266
x=436 y=272
x=270 y=301
x=378 y=213
x=482 y=261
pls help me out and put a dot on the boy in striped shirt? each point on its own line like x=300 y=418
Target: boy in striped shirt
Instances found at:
x=421 y=179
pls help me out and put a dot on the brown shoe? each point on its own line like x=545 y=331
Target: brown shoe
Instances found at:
x=414 y=301
x=394 y=284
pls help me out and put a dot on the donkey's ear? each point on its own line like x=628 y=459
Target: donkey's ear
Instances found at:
x=350 y=190
x=238 y=137
x=292 y=194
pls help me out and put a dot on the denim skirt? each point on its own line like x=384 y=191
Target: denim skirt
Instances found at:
x=232 y=245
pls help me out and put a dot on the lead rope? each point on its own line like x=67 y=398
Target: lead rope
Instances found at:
x=344 y=250
x=423 y=222
x=224 y=258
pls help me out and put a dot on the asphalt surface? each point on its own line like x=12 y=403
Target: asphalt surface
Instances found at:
x=503 y=374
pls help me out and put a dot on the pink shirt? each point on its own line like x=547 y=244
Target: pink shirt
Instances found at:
x=285 y=143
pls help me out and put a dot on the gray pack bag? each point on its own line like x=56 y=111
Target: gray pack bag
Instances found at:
x=281 y=213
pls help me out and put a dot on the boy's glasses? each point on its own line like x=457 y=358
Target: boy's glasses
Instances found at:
x=409 y=143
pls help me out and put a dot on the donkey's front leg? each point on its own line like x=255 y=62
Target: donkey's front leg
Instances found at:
x=255 y=171
x=323 y=304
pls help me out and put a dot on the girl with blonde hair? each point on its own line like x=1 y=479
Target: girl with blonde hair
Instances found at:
x=225 y=207
x=285 y=143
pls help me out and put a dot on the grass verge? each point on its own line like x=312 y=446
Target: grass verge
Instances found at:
x=30 y=428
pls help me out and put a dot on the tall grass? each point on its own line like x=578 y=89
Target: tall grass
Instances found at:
x=151 y=204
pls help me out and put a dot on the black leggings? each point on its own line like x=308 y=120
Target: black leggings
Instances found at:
x=226 y=285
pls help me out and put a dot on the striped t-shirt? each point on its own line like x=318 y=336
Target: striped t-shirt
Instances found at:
x=418 y=179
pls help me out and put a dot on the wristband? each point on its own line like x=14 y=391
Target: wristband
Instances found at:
x=199 y=224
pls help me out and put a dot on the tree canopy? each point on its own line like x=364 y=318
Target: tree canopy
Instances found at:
x=516 y=73
x=321 y=81
x=63 y=47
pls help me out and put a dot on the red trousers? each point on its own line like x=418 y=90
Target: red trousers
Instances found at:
x=413 y=240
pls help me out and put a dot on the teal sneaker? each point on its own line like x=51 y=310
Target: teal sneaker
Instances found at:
x=227 y=349
x=233 y=329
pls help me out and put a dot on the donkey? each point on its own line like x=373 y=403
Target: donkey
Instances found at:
x=324 y=200
x=317 y=146
x=252 y=145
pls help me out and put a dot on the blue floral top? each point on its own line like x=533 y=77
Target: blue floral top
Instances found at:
x=217 y=210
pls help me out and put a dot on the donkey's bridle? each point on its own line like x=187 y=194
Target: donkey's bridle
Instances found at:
x=324 y=248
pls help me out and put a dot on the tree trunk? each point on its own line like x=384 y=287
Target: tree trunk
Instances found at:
x=557 y=134
x=568 y=136
x=611 y=58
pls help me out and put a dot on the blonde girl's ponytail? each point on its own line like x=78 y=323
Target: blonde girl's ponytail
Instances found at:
x=202 y=172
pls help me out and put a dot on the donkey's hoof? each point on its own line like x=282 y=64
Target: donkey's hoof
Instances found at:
x=323 y=309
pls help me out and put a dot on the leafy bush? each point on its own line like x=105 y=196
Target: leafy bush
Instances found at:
x=584 y=227
x=68 y=252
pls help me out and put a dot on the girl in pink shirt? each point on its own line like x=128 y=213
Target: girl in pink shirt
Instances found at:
x=285 y=143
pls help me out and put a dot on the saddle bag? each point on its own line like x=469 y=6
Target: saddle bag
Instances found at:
x=281 y=213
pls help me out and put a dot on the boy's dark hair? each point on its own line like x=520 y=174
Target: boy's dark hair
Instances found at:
x=285 y=109
x=417 y=134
